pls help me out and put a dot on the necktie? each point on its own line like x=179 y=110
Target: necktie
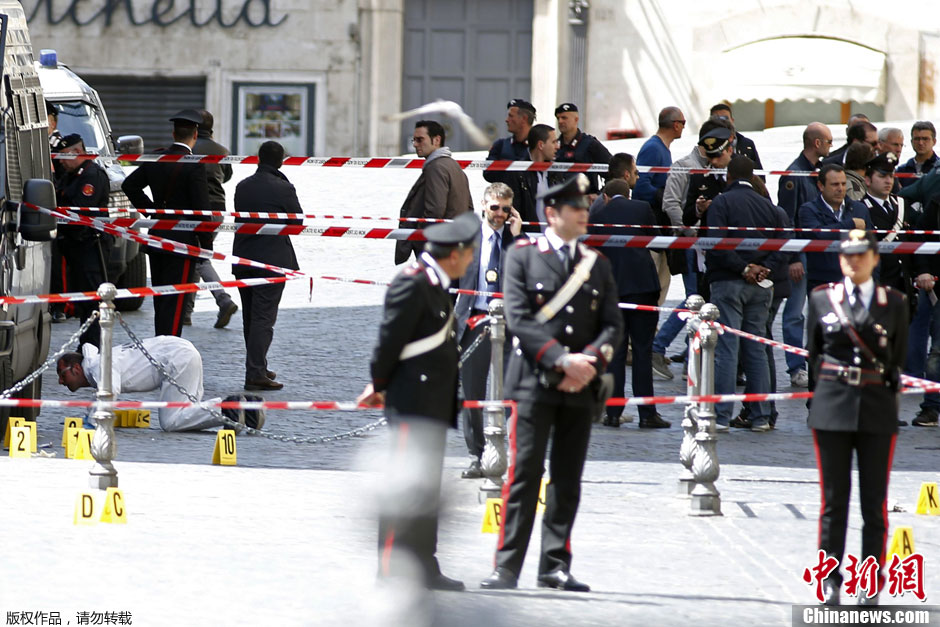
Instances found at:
x=858 y=307
x=565 y=253
x=492 y=268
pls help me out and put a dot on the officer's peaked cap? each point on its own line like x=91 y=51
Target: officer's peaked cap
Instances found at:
x=858 y=241
x=462 y=230
x=566 y=107
x=71 y=139
x=884 y=163
x=572 y=192
x=715 y=141
x=187 y=116
x=522 y=104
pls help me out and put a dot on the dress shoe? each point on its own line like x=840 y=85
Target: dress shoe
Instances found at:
x=830 y=593
x=501 y=579
x=612 y=421
x=654 y=422
x=58 y=316
x=225 y=315
x=262 y=384
x=560 y=580
x=440 y=582
x=473 y=471
x=270 y=374
x=864 y=599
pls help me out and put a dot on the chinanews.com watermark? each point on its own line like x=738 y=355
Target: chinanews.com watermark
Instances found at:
x=886 y=615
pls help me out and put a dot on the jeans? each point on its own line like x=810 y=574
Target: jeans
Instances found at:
x=746 y=307
x=793 y=322
x=921 y=330
x=674 y=325
x=931 y=401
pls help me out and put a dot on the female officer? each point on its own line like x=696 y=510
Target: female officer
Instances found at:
x=857 y=340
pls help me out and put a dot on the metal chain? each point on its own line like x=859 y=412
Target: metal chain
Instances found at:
x=51 y=361
x=139 y=345
x=465 y=355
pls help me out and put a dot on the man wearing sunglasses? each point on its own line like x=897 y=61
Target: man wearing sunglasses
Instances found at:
x=501 y=226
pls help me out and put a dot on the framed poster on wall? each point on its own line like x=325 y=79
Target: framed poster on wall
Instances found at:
x=279 y=112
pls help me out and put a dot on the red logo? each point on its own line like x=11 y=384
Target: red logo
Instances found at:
x=88 y=190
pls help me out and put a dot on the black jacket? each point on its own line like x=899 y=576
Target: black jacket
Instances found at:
x=633 y=268
x=746 y=148
x=894 y=270
x=416 y=307
x=173 y=186
x=706 y=185
x=584 y=148
x=836 y=405
x=216 y=173
x=87 y=186
x=590 y=323
x=470 y=279
x=267 y=190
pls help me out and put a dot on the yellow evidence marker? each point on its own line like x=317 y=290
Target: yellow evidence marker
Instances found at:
x=902 y=543
x=114 y=511
x=73 y=422
x=82 y=448
x=20 y=442
x=141 y=419
x=224 y=452
x=927 y=500
x=12 y=422
x=493 y=518
x=84 y=510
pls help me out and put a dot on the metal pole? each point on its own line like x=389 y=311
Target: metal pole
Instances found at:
x=494 y=460
x=706 y=500
x=103 y=446
x=689 y=418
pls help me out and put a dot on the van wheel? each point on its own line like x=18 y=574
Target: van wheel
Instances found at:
x=6 y=382
x=134 y=276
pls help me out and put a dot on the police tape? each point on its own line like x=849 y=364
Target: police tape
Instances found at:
x=410 y=163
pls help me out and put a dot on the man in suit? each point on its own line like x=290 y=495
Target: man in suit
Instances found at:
x=415 y=374
x=830 y=210
x=173 y=186
x=858 y=131
x=500 y=227
x=441 y=191
x=267 y=190
x=561 y=306
x=637 y=282
x=857 y=339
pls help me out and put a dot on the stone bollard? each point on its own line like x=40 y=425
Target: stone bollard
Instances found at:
x=689 y=418
x=706 y=500
x=494 y=460
x=103 y=446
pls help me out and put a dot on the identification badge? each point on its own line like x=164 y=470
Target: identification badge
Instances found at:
x=830 y=318
x=491 y=276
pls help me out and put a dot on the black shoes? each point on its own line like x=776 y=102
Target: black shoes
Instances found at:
x=830 y=593
x=560 y=580
x=501 y=579
x=252 y=418
x=473 y=471
x=225 y=315
x=654 y=422
x=270 y=374
x=925 y=418
x=262 y=384
x=58 y=316
x=864 y=599
x=612 y=421
x=440 y=582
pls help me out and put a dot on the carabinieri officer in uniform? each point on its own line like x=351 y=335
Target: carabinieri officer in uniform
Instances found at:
x=415 y=373
x=561 y=308
x=857 y=341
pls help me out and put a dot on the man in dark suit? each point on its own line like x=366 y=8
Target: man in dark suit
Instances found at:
x=859 y=129
x=500 y=227
x=857 y=340
x=267 y=190
x=561 y=306
x=830 y=210
x=637 y=282
x=415 y=374
x=173 y=186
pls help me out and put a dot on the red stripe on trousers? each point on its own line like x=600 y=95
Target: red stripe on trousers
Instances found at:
x=884 y=512
x=390 y=532
x=510 y=477
x=822 y=489
x=180 y=299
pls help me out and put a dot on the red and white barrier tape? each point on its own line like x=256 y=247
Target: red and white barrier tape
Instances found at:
x=409 y=163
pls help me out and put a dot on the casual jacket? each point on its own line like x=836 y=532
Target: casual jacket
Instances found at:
x=824 y=267
x=796 y=191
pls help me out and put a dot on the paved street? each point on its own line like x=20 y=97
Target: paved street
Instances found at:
x=287 y=537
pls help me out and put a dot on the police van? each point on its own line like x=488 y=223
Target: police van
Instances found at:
x=25 y=234
x=80 y=111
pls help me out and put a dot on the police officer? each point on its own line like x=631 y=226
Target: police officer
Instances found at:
x=888 y=213
x=414 y=372
x=173 y=186
x=577 y=146
x=83 y=183
x=857 y=341
x=55 y=145
x=561 y=306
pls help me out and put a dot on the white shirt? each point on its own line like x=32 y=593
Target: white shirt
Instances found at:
x=131 y=371
x=540 y=190
x=867 y=288
x=188 y=149
x=432 y=263
x=486 y=246
x=556 y=243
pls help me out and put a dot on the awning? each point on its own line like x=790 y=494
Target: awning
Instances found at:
x=802 y=68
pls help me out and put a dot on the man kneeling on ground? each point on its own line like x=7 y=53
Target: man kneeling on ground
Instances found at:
x=131 y=371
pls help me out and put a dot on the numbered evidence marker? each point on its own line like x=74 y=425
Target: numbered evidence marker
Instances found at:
x=122 y=417
x=142 y=419
x=114 y=511
x=540 y=507
x=493 y=518
x=19 y=442
x=84 y=510
x=224 y=452
x=927 y=501
x=12 y=422
x=70 y=422
x=902 y=543
x=78 y=443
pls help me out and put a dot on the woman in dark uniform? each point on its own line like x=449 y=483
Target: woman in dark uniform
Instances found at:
x=857 y=340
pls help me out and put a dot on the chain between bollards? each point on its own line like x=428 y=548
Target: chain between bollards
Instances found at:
x=103 y=475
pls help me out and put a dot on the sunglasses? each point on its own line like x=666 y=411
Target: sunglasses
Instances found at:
x=501 y=208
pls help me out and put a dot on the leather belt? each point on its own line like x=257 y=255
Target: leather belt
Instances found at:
x=851 y=375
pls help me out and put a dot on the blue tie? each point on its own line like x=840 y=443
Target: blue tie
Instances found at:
x=495 y=250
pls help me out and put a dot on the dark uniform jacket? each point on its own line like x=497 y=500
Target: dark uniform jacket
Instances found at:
x=796 y=191
x=267 y=190
x=584 y=148
x=470 y=279
x=838 y=406
x=837 y=156
x=746 y=148
x=216 y=173
x=87 y=186
x=590 y=323
x=707 y=185
x=633 y=268
x=894 y=270
x=416 y=307
x=173 y=186
x=817 y=214
x=442 y=191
